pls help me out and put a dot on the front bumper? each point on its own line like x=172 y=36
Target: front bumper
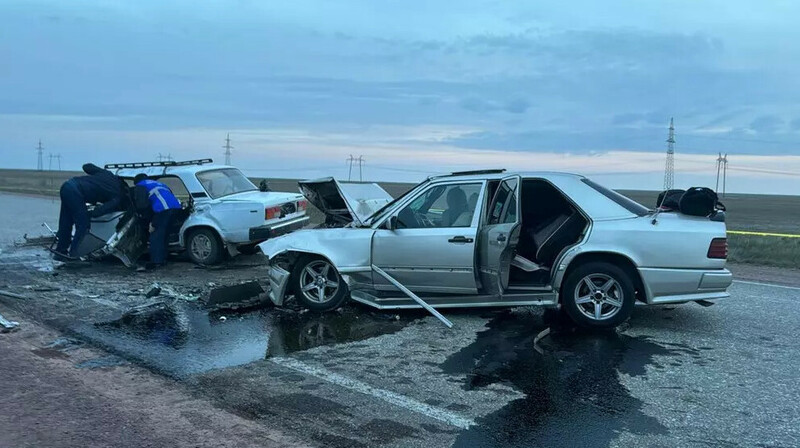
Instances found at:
x=263 y=233
x=685 y=285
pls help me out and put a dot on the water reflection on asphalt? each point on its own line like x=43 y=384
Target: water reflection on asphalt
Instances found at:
x=573 y=394
x=183 y=339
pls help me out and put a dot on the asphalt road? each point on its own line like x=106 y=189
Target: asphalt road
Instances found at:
x=686 y=375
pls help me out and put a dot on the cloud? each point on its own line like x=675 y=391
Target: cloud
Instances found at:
x=766 y=124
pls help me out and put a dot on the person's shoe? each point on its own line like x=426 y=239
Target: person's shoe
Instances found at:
x=150 y=266
x=60 y=256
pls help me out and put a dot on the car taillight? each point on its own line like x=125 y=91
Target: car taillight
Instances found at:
x=302 y=205
x=272 y=213
x=718 y=248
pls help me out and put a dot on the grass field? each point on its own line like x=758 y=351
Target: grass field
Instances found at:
x=748 y=212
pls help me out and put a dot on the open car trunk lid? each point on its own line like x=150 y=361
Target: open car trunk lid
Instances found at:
x=344 y=202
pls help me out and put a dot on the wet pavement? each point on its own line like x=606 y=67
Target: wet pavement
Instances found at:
x=680 y=375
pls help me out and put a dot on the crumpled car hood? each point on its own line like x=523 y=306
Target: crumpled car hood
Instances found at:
x=345 y=202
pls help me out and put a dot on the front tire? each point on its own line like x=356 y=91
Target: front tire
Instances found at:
x=598 y=295
x=317 y=285
x=204 y=247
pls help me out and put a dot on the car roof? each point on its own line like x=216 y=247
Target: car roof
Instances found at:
x=179 y=170
x=501 y=175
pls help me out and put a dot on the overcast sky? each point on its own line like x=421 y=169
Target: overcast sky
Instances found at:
x=415 y=86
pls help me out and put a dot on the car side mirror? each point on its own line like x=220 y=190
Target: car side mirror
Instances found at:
x=391 y=223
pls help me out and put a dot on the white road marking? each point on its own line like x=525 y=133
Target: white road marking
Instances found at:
x=385 y=395
x=767 y=284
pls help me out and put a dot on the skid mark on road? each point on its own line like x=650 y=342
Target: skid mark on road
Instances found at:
x=390 y=397
x=772 y=285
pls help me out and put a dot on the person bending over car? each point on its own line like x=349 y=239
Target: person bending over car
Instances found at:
x=99 y=186
x=162 y=207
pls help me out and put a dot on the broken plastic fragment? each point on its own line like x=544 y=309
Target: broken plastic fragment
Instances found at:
x=8 y=325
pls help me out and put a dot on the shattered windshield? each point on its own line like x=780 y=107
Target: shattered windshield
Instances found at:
x=225 y=182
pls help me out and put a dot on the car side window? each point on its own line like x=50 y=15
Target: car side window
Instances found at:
x=441 y=206
x=177 y=187
x=504 y=205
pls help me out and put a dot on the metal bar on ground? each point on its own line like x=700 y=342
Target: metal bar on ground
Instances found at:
x=408 y=292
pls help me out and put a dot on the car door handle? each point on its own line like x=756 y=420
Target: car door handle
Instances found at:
x=460 y=239
x=501 y=238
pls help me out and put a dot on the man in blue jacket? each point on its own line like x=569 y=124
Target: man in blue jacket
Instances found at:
x=99 y=186
x=163 y=205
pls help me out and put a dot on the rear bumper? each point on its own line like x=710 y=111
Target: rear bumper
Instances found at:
x=684 y=285
x=266 y=232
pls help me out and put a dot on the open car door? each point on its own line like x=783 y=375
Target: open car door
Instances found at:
x=499 y=236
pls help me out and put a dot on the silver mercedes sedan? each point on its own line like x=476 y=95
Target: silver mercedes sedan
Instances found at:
x=492 y=238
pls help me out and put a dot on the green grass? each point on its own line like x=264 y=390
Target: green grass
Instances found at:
x=762 y=250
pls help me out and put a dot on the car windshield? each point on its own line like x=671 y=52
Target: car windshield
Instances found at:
x=225 y=182
x=382 y=211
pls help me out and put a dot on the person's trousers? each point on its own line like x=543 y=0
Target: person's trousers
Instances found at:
x=158 y=237
x=73 y=213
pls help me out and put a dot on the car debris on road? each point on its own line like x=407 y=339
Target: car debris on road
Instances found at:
x=8 y=325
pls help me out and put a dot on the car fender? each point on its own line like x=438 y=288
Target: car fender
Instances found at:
x=572 y=253
x=348 y=249
x=199 y=220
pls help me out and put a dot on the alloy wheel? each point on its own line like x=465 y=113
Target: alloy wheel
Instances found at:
x=599 y=296
x=319 y=281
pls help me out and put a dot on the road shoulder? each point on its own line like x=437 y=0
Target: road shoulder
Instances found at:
x=48 y=401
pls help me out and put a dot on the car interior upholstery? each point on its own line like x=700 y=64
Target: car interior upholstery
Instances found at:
x=550 y=224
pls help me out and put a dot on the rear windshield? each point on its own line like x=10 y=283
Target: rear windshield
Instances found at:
x=629 y=204
x=224 y=182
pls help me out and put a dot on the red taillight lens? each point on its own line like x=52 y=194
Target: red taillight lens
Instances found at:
x=302 y=205
x=718 y=248
x=272 y=213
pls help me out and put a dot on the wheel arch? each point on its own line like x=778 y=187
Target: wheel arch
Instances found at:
x=288 y=258
x=616 y=259
x=188 y=231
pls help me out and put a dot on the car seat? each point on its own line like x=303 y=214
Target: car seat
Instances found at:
x=457 y=213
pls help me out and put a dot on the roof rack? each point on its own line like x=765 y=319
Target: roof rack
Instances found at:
x=467 y=173
x=165 y=164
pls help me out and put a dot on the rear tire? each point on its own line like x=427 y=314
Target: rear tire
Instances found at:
x=598 y=295
x=204 y=247
x=317 y=285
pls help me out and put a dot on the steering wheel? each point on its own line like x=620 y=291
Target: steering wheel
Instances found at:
x=423 y=219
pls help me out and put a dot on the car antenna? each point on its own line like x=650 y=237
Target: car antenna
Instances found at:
x=658 y=208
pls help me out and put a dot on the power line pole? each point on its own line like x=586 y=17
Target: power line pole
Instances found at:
x=350 y=160
x=669 y=169
x=165 y=158
x=228 y=148
x=360 y=164
x=724 y=172
x=40 y=162
x=719 y=167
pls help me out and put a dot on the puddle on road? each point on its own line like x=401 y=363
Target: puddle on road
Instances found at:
x=187 y=340
x=573 y=393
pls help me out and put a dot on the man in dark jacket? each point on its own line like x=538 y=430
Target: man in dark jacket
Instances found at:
x=99 y=186
x=163 y=205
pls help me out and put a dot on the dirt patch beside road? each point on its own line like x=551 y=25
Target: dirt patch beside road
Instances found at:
x=66 y=395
